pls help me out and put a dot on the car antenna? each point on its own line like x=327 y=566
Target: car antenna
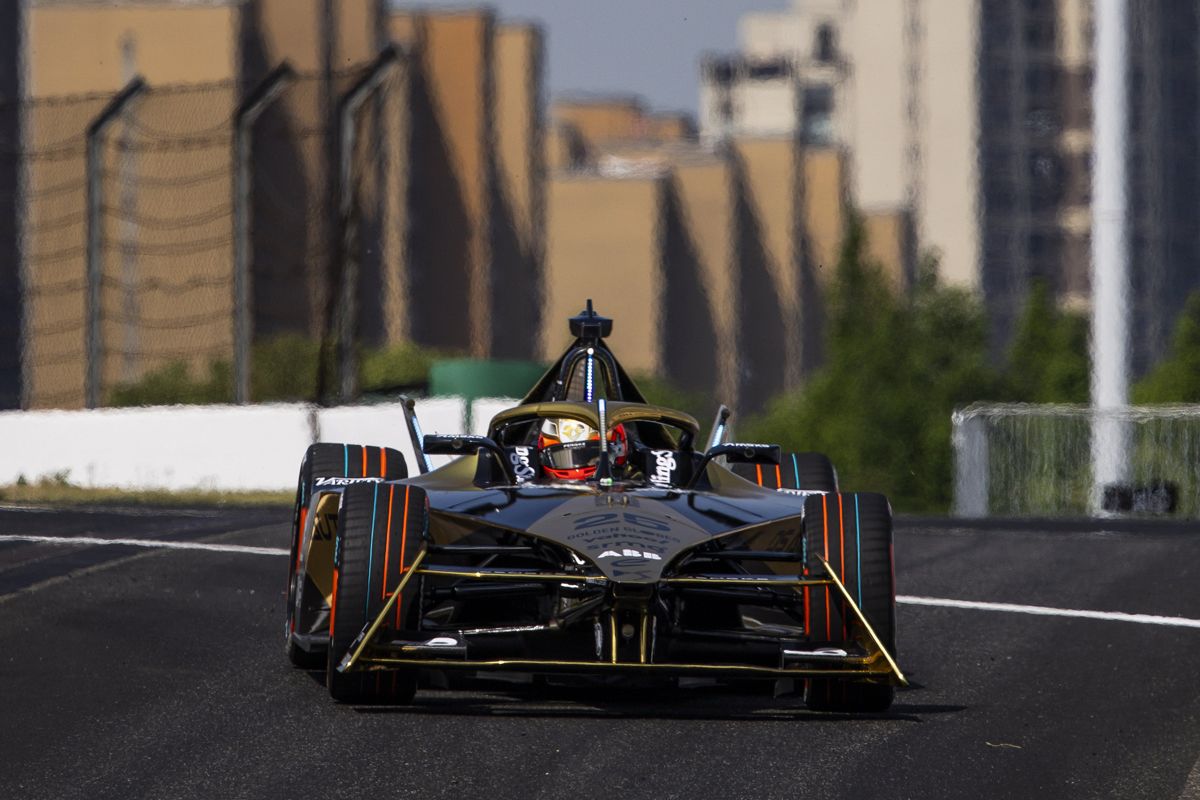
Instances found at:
x=604 y=474
x=590 y=326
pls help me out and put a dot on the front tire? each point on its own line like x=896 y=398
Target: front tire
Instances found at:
x=381 y=528
x=809 y=472
x=306 y=607
x=853 y=532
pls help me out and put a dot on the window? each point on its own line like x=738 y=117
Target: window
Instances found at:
x=817 y=106
x=825 y=47
x=768 y=70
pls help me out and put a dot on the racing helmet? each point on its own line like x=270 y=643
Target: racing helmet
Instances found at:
x=570 y=449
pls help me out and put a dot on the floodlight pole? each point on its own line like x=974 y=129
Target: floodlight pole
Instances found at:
x=1110 y=251
x=94 y=272
x=347 y=317
x=246 y=116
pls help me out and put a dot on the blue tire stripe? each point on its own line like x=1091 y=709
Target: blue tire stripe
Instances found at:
x=858 y=548
x=346 y=461
x=371 y=555
x=796 y=469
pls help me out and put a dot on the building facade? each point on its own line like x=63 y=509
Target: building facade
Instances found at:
x=434 y=191
x=972 y=120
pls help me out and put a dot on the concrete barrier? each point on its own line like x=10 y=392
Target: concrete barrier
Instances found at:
x=205 y=447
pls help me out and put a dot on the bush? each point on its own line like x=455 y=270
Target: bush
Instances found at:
x=897 y=367
x=1176 y=379
x=283 y=369
x=1048 y=361
x=395 y=367
x=173 y=384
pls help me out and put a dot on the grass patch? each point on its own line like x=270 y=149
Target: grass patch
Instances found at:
x=58 y=492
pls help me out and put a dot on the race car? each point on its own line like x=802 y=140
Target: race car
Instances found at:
x=589 y=533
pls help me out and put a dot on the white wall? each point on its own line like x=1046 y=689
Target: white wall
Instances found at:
x=206 y=447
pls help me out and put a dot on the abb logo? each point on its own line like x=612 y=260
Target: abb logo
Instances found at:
x=630 y=553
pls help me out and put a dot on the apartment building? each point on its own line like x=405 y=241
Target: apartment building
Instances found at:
x=445 y=185
x=973 y=119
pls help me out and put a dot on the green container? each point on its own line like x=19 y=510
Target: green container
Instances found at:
x=472 y=378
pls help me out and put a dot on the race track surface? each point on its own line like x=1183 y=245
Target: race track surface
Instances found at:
x=130 y=671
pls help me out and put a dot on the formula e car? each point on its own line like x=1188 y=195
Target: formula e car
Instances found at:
x=588 y=534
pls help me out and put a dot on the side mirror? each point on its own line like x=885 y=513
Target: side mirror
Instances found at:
x=437 y=444
x=746 y=453
x=738 y=454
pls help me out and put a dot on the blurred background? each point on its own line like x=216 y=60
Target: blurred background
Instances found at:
x=844 y=219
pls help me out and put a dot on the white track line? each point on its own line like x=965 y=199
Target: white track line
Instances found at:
x=1044 y=611
x=1011 y=608
x=157 y=543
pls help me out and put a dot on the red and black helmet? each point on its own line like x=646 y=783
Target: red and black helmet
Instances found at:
x=570 y=449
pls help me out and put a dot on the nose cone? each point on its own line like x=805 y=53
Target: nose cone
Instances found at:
x=630 y=539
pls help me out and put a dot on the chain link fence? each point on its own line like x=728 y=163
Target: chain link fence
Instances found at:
x=208 y=243
x=1022 y=460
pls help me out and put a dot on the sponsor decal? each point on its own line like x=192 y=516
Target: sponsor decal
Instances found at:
x=664 y=468
x=319 y=482
x=522 y=464
x=631 y=553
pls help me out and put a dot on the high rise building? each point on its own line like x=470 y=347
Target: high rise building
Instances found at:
x=972 y=118
x=11 y=307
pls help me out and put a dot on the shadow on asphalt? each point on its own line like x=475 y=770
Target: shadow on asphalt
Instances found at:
x=707 y=702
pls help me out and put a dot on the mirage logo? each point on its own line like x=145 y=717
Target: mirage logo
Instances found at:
x=664 y=468
x=522 y=466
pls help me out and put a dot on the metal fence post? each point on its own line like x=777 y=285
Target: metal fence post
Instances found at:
x=95 y=235
x=247 y=115
x=970 y=462
x=354 y=99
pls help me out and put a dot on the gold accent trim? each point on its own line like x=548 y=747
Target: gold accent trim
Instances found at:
x=862 y=618
x=645 y=626
x=869 y=666
x=507 y=576
x=351 y=659
x=781 y=582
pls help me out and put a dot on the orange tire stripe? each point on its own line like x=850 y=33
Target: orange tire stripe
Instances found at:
x=403 y=550
x=387 y=545
x=778 y=478
x=364 y=452
x=758 y=469
x=825 y=530
x=842 y=559
x=333 y=602
x=383 y=462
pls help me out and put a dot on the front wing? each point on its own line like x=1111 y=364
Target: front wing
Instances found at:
x=864 y=658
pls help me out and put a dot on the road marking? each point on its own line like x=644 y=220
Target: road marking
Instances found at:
x=1191 y=790
x=1044 y=611
x=941 y=602
x=152 y=543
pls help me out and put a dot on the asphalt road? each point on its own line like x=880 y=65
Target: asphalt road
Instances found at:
x=130 y=671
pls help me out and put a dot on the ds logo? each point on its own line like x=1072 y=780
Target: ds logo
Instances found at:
x=664 y=468
x=522 y=466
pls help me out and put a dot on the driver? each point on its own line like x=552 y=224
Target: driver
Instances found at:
x=570 y=449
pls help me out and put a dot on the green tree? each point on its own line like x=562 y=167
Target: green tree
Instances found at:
x=1176 y=379
x=896 y=369
x=1048 y=359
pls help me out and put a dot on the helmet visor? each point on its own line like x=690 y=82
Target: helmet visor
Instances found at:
x=571 y=455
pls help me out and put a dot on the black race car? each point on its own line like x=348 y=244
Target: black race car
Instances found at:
x=589 y=534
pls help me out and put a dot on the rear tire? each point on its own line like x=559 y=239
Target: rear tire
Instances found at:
x=380 y=531
x=853 y=532
x=324 y=460
x=810 y=472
